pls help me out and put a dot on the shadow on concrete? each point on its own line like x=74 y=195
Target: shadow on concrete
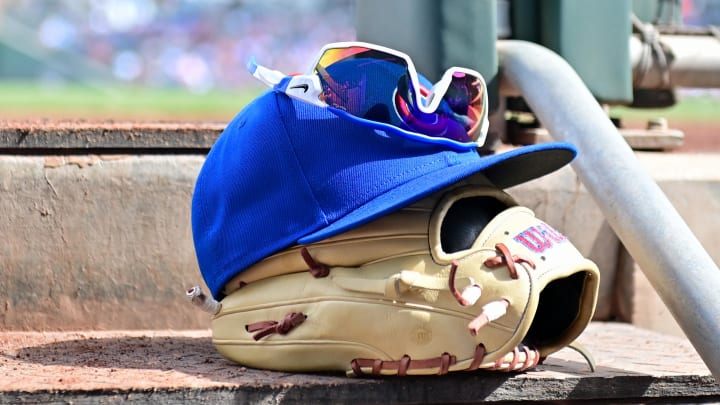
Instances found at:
x=196 y=357
x=202 y=374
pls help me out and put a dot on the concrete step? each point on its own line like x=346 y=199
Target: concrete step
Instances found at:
x=633 y=366
x=96 y=223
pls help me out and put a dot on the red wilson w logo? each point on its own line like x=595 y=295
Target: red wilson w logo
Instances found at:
x=539 y=238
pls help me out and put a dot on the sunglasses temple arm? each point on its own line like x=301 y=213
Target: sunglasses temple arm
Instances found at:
x=268 y=76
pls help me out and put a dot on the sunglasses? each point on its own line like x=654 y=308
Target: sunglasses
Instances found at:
x=380 y=87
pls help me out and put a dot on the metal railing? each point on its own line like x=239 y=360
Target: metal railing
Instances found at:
x=674 y=261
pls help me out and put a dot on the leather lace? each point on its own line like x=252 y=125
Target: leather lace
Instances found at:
x=443 y=362
x=401 y=367
x=266 y=328
x=506 y=258
x=532 y=358
x=317 y=269
x=451 y=284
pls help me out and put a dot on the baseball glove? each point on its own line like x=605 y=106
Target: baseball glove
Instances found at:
x=465 y=279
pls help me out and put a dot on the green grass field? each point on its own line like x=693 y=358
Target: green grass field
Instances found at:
x=701 y=109
x=29 y=100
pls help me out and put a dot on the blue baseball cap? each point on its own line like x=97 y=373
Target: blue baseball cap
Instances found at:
x=286 y=172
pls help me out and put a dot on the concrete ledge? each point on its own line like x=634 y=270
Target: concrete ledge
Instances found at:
x=24 y=136
x=97 y=242
x=634 y=366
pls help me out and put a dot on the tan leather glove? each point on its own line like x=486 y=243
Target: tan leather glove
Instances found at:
x=461 y=280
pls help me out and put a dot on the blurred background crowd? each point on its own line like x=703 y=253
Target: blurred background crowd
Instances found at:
x=196 y=44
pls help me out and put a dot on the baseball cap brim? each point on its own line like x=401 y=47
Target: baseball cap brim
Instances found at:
x=505 y=169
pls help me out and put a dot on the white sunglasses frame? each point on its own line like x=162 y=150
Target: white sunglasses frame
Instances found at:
x=307 y=87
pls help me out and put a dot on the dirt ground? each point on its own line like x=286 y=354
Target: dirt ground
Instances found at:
x=699 y=137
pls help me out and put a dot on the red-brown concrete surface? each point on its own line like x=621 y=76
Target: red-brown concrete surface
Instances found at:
x=631 y=363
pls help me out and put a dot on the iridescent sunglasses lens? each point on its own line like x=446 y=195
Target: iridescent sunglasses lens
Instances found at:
x=377 y=85
x=349 y=75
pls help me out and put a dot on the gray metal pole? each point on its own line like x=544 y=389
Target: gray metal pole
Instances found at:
x=672 y=258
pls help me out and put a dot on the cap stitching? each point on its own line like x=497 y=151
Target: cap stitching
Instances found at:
x=297 y=160
x=406 y=171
